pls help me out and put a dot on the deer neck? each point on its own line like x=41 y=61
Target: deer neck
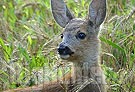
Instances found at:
x=84 y=70
x=87 y=68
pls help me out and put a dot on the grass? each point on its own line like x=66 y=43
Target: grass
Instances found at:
x=29 y=37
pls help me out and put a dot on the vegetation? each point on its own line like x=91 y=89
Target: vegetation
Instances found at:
x=29 y=38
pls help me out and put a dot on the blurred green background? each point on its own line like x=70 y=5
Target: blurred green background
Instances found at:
x=29 y=37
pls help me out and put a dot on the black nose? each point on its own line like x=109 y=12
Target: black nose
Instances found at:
x=64 y=50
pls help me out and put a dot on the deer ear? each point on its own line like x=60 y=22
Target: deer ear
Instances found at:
x=61 y=13
x=97 y=12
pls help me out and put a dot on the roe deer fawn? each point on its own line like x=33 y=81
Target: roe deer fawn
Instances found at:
x=80 y=45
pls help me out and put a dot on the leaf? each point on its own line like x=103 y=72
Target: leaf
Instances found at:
x=29 y=40
x=7 y=50
x=115 y=46
x=2 y=72
x=134 y=27
x=24 y=52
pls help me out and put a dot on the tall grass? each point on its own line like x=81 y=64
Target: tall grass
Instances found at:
x=29 y=37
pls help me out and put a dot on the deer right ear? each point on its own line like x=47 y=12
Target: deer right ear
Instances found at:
x=61 y=13
x=97 y=12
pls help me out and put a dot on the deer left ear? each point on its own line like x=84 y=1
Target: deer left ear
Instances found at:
x=61 y=13
x=97 y=12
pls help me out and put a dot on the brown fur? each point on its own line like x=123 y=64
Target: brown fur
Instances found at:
x=87 y=75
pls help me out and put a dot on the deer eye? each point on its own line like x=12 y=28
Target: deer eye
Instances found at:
x=61 y=36
x=81 y=36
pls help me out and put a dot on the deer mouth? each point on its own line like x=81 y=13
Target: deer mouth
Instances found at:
x=64 y=56
x=65 y=52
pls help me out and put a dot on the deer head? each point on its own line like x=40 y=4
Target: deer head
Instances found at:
x=80 y=36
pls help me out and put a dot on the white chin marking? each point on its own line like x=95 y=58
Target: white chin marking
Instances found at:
x=64 y=56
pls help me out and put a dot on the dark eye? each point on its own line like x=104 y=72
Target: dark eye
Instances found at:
x=61 y=35
x=81 y=35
